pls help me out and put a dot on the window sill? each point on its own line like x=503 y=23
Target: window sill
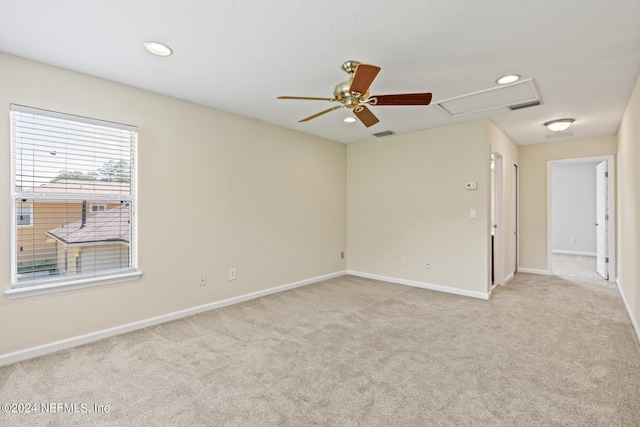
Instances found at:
x=35 y=290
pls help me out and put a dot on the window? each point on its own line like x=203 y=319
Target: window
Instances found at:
x=24 y=213
x=78 y=174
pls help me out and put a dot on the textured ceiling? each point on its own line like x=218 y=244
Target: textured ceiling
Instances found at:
x=238 y=56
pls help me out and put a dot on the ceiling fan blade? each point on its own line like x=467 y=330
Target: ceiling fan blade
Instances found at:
x=363 y=78
x=319 y=114
x=308 y=98
x=402 y=99
x=365 y=115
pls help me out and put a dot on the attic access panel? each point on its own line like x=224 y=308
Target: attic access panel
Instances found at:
x=521 y=92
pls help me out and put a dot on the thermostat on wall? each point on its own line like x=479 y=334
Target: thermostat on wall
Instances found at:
x=472 y=185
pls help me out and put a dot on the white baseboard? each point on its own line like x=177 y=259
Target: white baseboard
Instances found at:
x=559 y=251
x=440 y=288
x=534 y=271
x=635 y=325
x=41 y=350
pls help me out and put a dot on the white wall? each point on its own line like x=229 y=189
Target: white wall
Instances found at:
x=216 y=191
x=629 y=208
x=573 y=200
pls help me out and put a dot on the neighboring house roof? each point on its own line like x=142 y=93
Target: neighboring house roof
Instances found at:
x=111 y=226
x=82 y=187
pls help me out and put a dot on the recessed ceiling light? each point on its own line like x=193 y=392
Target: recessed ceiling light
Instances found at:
x=349 y=119
x=509 y=78
x=158 y=48
x=559 y=125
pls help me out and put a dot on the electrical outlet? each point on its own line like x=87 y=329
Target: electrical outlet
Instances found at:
x=203 y=280
x=428 y=264
x=233 y=274
x=342 y=255
x=403 y=260
x=572 y=239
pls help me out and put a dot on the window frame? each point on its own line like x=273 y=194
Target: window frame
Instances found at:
x=29 y=288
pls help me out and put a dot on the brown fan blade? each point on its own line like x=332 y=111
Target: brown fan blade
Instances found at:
x=365 y=115
x=319 y=114
x=401 y=99
x=363 y=78
x=308 y=98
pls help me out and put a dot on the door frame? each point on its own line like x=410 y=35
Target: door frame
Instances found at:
x=611 y=206
x=499 y=247
x=515 y=182
x=602 y=220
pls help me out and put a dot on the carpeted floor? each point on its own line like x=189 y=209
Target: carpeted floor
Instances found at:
x=572 y=267
x=357 y=352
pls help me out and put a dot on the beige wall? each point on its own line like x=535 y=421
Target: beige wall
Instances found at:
x=407 y=198
x=502 y=144
x=629 y=207
x=533 y=191
x=216 y=191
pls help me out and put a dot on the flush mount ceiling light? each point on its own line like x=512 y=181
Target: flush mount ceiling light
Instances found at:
x=508 y=78
x=559 y=125
x=158 y=48
x=349 y=119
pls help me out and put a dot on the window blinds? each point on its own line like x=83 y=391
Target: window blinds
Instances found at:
x=74 y=196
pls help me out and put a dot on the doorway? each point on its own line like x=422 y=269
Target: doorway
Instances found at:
x=580 y=218
x=496 y=232
x=514 y=231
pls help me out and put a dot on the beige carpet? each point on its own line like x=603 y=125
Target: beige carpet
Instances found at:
x=357 y=352
x=574 y=267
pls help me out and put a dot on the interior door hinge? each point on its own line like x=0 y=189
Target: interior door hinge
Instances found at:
x=606 y=174
x=606 y=217
x=606 y=260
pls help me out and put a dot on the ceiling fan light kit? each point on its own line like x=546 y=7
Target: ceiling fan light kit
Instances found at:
x=353 y=93
x=559 y=125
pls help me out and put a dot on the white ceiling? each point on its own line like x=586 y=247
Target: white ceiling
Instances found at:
x=238 y=56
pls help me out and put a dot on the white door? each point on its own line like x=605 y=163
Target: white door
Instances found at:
x=514 y=237
x=602 y=219
x=496 y=233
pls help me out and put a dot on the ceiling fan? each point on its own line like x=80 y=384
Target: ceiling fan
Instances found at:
x=354 y=94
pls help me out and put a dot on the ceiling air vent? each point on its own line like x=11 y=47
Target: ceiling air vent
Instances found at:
x=525 y=105
x=385 y=133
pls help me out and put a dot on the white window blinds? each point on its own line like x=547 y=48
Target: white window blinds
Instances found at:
x=64 y=167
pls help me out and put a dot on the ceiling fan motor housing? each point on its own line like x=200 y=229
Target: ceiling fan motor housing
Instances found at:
x=343 y=94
